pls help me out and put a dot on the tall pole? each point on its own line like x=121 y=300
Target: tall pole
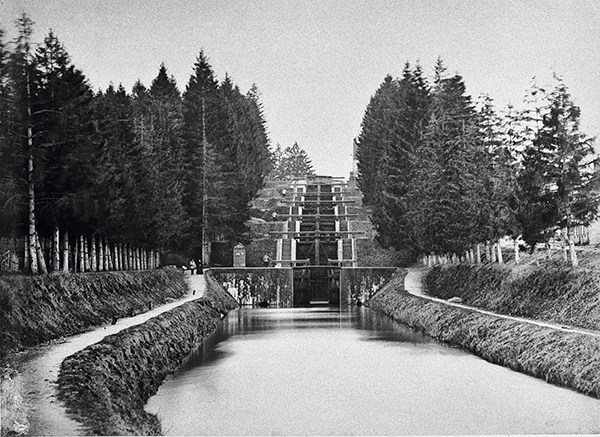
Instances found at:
x=204 y=194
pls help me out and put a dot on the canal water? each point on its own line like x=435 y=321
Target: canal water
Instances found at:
x=322 y=371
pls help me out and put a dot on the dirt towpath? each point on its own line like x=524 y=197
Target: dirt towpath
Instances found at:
x=414 y=284
x=39 y=368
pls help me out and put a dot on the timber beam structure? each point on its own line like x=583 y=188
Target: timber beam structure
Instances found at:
x=317 y=216
x=317 y=202
x=316 y=233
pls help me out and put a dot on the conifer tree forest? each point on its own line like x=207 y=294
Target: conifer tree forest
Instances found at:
x=120 y=175
x=446 y=175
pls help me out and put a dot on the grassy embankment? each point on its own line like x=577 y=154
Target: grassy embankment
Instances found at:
x=36 y=309
x=107 y=384
x=551 y=292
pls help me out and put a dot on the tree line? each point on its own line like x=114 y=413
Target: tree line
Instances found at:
x=443 y=173
x=151 y=169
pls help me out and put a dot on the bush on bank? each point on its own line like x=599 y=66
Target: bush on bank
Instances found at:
x=561 y=358
x=551 y=292
x=106 y=385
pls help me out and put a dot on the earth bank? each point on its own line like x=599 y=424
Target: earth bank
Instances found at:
x=37 y=309
x=561 y=358
x=107 y=384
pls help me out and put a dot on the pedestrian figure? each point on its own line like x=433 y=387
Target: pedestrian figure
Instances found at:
x=192 y=267
x=267 y=260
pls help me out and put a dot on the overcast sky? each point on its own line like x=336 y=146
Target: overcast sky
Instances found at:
x=318 y=62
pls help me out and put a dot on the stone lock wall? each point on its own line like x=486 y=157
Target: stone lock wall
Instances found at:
x=252 y=286
x=362 y=283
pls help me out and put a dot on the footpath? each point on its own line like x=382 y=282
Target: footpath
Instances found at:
x=414 y=284
x=39 y=368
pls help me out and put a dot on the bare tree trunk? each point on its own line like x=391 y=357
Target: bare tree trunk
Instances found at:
x=115 y=259
x=56 y=250
x=109 y=257
x=77 y=257
x=31 y=186
x=27 y=256
x=500 y=259
x=493 y=252
x=488 y=252
x=100 y=254
x=574 y=260
x=41 y=261
x=86 y=252
x=106 y=256
x=93 y=258
x=517 y=253
x=80 y=253
x=65 y=251
x=478 y=248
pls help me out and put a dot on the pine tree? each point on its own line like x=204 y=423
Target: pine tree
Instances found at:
x=456 y=174
x=247 y=156
x=158 y=162
x=115 y=157
x=13 y=202
x=295 y=163
x=558 y=182
x=23 y=74
x=202 y=118
x=395 y=216
x=63 y=110
x=374 y=140
x=497 y=213
x=276 y=158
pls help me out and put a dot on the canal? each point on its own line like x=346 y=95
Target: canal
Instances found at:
x=326 y=371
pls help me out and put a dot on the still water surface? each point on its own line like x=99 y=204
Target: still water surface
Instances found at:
x=323 y=371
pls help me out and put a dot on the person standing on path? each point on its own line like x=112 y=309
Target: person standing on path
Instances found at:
x=267 y=260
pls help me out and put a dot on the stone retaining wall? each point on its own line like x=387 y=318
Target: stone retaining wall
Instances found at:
x=361 y=283
x=250 y=286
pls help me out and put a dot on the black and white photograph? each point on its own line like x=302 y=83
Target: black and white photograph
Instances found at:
x=299 y=217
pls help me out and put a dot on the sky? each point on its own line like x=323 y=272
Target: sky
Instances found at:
x=318 y=62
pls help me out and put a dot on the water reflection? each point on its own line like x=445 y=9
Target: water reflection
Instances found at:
x=324 y=371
